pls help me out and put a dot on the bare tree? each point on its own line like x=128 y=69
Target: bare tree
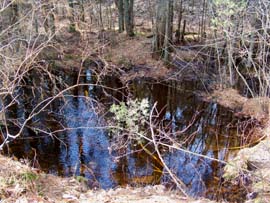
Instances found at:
x=163 y=30
x=129 y=16
x=121 y=21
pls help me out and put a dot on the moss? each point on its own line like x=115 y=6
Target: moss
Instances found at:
x=123 y=61
x=29 y=176
x=108 y=57
x=72 y=28
x=49 y=53
x=70 y=57
x=87 y=63
x=81 y=179
x=40 y=190
x=234 y=168
x=140 y=33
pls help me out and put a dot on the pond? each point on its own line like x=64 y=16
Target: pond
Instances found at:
x=70 y=138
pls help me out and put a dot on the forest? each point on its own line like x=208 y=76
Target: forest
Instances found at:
x=134 y=101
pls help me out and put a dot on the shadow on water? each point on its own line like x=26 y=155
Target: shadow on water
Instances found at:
x=69 y=136
x=211 y=133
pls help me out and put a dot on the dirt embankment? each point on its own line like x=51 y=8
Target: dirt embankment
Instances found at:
x=20 y=183
x=257 y=108
x=251 y=167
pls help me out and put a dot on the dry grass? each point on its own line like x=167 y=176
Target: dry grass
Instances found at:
x=249 y=107
x=229 y=98
x=19 y=183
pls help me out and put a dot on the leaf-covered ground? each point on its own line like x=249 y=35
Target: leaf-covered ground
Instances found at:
x=22 y=184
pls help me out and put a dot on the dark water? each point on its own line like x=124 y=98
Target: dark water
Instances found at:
x=69 y=137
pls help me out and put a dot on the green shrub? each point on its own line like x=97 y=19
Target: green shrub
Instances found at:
x=131 y=116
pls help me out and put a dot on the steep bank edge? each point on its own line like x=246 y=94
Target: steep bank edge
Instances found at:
x=20 y=183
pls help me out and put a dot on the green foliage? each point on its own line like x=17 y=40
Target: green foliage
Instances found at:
x=131 y=115
x=29 y=176
x=40 y=190
x=70 y=56
x=225 y=12
x=81 y=179
x=72 y=28
x=7 y=181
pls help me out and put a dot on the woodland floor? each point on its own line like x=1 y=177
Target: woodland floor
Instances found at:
x=21 y=183
x=130 y=58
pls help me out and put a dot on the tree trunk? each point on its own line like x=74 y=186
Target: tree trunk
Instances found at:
x=72 y=26
x=121 y=21
x=15 y=13
x=163 y=31
x=82 y=17
x=129 y=19
x=180 y=14
x=100 y=15
x=202 y=25
x=231 y=46
x=183 y=32
x=49 y=23
x=168 y=32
